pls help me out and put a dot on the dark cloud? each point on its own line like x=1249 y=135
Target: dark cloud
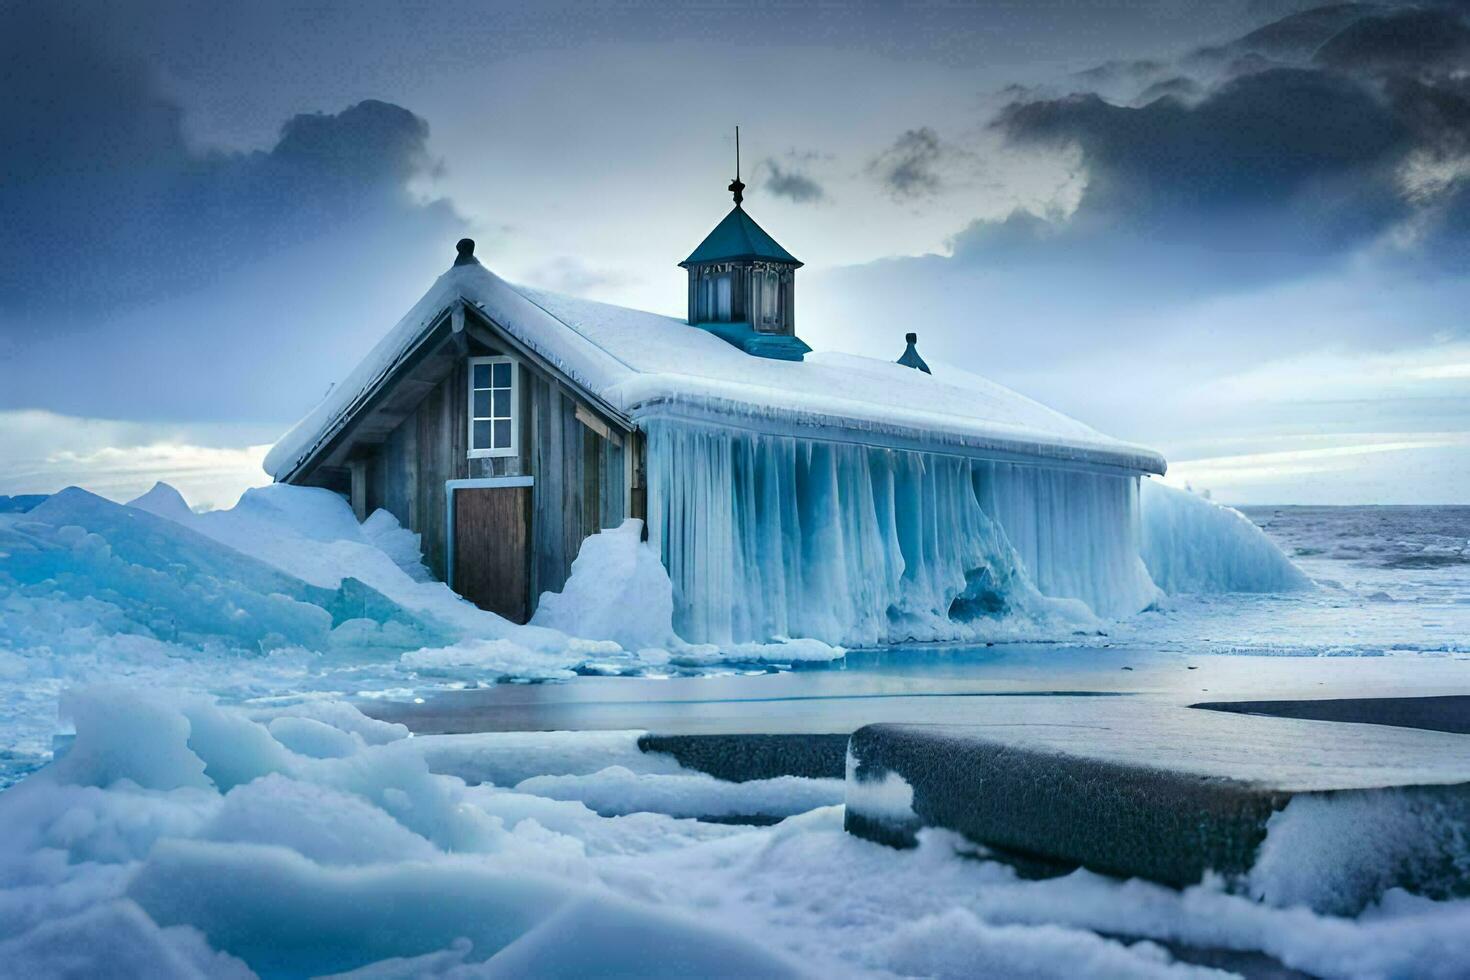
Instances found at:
x=1292 y=38
x=1110 y=73
x=1273 y=170
x=792 y=184
x=1177 y=87
x=1266 y=204
x=105 y=201
x=147 y=278
x=1402 y=41
x=1283 y=140
x=909 y=168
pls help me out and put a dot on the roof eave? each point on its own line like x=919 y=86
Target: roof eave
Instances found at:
x=747 y=257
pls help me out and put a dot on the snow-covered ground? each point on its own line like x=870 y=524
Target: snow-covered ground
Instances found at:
x=176 y=838
x=286 y=597
x=223 y=810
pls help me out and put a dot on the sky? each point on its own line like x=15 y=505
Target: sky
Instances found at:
x=1236 y=231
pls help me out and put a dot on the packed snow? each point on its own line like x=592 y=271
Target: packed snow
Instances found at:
x=286 y=592
x=179 y=838
x=618 y=591
x=642 y=364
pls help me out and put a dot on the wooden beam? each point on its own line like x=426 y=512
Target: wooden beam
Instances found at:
x=591 y=421
x=358 y=468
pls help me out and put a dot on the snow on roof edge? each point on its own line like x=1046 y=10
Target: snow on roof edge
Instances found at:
x=611 y=378
x=915 y=428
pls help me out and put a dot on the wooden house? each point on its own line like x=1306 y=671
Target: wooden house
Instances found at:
x=506 y=424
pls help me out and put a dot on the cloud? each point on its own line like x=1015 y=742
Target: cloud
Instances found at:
x=1410 y=41
x=1332 y=132
x=106 y=203
x=569 y=274
x=1294 y=37
x=792 y=184
x=147 y=278
x=1347 y=469
x=1288 y=161
x=210 y=465
x=910 y=168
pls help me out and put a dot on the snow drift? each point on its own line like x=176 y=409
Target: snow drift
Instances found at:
x=155 y=577
x=180 y=839
x=617 y=591
x=1194 y=545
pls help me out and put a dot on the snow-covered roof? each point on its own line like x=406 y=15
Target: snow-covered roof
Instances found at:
x=641 y=363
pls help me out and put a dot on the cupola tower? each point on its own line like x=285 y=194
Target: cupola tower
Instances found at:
x=742 y=284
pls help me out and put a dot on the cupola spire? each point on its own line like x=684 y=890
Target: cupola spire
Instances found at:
x=736 y=187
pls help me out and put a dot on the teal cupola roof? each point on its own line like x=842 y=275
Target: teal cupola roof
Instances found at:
x=737 y=239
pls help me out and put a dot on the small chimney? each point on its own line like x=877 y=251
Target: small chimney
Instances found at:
x=466 y=249
x=911 y=356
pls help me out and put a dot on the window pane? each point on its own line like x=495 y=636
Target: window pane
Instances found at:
x=502 y=403
x=482 y=404
x=482 y=376
x=502 y=375
x=722 y=303
x=502 y=434
x=482 y=436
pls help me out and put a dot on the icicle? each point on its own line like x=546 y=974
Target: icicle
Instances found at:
x=766 y=535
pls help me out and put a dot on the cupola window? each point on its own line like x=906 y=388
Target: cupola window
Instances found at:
x=770 y=300
x=717 y=294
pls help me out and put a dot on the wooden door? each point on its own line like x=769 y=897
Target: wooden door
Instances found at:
x=492 y=549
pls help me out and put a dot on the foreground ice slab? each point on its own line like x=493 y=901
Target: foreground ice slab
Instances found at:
x=1294 y=813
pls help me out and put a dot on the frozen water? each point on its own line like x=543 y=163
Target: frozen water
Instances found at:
x=859 y=546
x=616 y=790
x=290 y=864
x=1193 y=545
x=292 y=835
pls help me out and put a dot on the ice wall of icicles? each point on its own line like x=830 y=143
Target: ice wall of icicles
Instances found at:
x=857 y=545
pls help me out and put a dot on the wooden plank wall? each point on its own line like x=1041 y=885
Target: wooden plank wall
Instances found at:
x=579 y=484
x=580 y=476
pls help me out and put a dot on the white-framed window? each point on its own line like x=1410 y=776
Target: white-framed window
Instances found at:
x=493 y=405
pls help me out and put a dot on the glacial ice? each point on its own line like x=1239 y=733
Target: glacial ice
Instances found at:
x=1193 y=545
x=158 y=579
x=857 y=545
